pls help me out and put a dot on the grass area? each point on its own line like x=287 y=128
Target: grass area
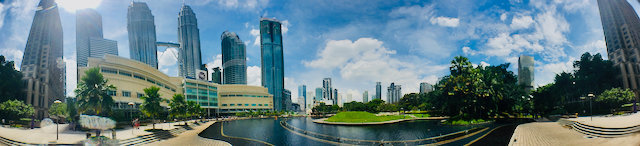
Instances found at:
x=464 y=122
x=421 y=115
x=362 y=117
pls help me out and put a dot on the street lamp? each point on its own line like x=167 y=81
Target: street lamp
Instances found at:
x=131 y=116
x=590 y=105
x=58 y=119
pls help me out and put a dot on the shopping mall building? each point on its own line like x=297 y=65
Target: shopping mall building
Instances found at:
x=130 y=77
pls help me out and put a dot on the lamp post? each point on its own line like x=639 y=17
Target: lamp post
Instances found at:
x=58 y=120
x=590 y=105
x=131 y=116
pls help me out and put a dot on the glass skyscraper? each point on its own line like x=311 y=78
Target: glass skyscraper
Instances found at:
x=42 y=66
x=319 y=93
x=272 y=60
x=525 y=72
x=378 y=91
x=394 y=93
x=89 y=37
x=189 y=58
x=234 y=59
x=328 y=91
x=142 y=34
x=302 y=96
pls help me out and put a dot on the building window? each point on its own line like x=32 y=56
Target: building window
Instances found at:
x=139 y=77
x=224 y=104
x=246 y=104
x=125 y=73
x=108 y=70
x=239 y=104
x=140 y=95
x=253 y=104
x=126 y=93
x=232 y=104
x=259 y=104
x=111 y=93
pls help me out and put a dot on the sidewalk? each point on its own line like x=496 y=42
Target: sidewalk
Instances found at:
x=47 y=135
x=191 y=138
x=551 y=133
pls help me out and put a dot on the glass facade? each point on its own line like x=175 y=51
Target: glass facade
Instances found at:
x=142 y=34
x=205 y=95
x=234 y=59
x=525 y=72
x=272 y=60
x=189 y=57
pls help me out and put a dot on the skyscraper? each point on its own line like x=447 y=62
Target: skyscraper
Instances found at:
x=425 y=87
x=328 y=91
x=216 y=76
x=89 y=37
x=42 y=64
x=378 y=90
x=335 y=97
x=319 y=94
x=622 y=34
x=142 y=34
x=286 y=95
x=365 y=97
x=525 y=72
x=272 y=60
x=189 y=58
x=302 y=96
x=394 y=93
x=234 y=59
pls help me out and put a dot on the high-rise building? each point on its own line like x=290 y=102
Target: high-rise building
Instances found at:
x=286 y=95
x=42 y=66
x=525 y=72
x=425 y=87
x=394 y=93
x=234 y=59
x=142 y=34
x=216 y=76
x=319 y=94
x=189 y=57
x=302 y=96
x=328 y=91
x=378 y=91
x=88 y=25
x=335 y=97
x=365 y=97
x=272 y=59
x=99 y=47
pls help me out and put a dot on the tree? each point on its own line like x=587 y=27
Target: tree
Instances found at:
x=178 y=107
x=72 y=110
x=193 y=109
x=92 y=93
x=11 y=85
x=613 y=98
x=151 y=105
x=13 y=110
x=58 y=111
x=594 y=74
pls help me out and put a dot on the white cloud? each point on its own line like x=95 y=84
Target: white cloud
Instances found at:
x=256 y=33
x=254 y=76
x=2 y=14
x=285 y=26
x=503 y=17
x=167 y=61
x=12 y=54
x=244 y=4
x=545 y=73
x=446 y=21
x=468 y=51
x=290 y=84
x=217 y=62
x=71 y=74
x=484 y=63
x=365 y=60
x=522 y=22
x=598 y=46
x=553 y=27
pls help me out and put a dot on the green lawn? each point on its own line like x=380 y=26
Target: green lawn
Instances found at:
x=362 y=117
x=421 y=115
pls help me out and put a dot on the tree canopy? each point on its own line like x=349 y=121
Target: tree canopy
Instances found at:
x=92 y=93
x=11 y=85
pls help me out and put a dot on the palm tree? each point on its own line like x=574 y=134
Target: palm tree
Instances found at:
x=193 y=109
x=178 y=107
x=151 y=105
x=92 y=93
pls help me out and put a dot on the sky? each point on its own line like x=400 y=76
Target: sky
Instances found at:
x=354 y=42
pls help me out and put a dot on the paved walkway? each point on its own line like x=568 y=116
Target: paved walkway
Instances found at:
x=191 y=138
x=551 y=133
x=47 y=135
x=610 y=122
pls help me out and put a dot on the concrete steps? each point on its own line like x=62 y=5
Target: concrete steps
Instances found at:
x=154 y=137
x=5 y=141
x=604 y=132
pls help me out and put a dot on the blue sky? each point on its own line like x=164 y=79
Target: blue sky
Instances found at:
x=354 y=42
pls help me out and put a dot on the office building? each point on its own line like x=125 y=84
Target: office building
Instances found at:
x=378 y=91
x=425 y=87
x=272 y=59
x=302 y=96
x=286 y=94
x=234 y=59
x=394 y=93
x=189 y=56
x=327 y=90
x=42 y=66
x=319 y=94
x=335 y=96
x=526 y=72
x=243 y=98
x=365 y=97
x=142 y=34
x=216 y=76
x=88 y=25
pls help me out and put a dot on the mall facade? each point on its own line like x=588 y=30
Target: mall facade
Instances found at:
x=130 y=77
